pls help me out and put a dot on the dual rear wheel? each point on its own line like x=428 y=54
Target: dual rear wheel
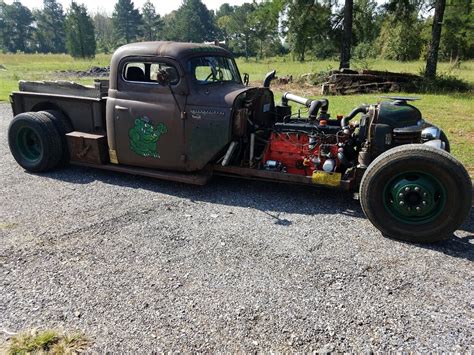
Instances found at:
x=37 y=140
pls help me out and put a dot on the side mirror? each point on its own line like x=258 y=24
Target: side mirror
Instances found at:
x=163 y=78
x=246 y=79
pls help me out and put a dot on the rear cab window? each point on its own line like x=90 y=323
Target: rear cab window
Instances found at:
x=146 y=72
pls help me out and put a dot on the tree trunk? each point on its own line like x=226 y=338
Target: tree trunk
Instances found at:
x=432 y=58
x=246 y=49
x=346 y=35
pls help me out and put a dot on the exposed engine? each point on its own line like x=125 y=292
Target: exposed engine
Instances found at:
x=302 y=152
x=270 y=138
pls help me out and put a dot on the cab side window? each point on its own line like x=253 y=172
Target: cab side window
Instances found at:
x=146 y=72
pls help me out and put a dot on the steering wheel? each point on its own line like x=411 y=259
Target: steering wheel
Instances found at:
x=218 y=77
x=209 y=76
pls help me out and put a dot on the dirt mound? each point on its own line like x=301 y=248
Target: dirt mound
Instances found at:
x=93 y=72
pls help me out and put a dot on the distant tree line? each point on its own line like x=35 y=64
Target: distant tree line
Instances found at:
x=345 y=29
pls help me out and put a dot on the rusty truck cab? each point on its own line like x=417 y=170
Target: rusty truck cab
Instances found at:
x=182 y=126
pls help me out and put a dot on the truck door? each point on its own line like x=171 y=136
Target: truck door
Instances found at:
x=148 y=128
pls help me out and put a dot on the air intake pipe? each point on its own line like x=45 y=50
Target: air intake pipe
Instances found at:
x=313 y=105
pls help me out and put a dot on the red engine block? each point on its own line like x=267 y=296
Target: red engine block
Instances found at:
x=292 y=150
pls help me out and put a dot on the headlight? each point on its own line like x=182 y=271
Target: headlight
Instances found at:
x=430 y=133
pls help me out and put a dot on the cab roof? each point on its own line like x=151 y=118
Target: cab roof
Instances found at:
x=176 y=50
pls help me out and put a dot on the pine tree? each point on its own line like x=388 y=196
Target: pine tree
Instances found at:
x=17 y=27
x=3 y=25
x=50 y=33
x=127 y=21
x=152 y=25
x=80 y=35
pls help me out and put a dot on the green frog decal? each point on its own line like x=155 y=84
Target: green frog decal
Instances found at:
x=144 y=137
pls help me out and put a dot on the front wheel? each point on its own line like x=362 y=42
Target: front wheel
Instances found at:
x=416 y=193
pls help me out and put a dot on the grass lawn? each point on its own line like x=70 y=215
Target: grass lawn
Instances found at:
x=454 y=112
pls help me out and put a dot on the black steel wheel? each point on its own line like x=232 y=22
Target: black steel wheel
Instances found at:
x=34 y=142
x=416 y=193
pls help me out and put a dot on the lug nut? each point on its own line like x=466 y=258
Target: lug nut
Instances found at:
x=407 y=189
x=423 y=203
x=417 y=189
x=425 y=194
x=402 y=203
x=418 y=209
x=401 y=194
x=409 y=208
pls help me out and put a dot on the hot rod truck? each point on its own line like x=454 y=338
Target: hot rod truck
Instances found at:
x=181 y=111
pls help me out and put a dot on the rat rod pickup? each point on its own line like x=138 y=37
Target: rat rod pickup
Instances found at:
x=181 y=111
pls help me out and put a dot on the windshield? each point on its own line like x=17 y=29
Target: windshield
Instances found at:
x=207 y=70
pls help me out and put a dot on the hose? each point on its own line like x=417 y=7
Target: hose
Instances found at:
x=354 y=112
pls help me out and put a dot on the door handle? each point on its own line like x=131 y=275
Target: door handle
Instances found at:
x=121 y=108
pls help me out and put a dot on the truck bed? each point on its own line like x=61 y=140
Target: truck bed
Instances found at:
x=83 y=104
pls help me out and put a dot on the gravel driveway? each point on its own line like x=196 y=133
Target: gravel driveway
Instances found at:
x=145 y=265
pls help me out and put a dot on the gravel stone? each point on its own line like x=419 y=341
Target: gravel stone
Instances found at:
x=143 y=265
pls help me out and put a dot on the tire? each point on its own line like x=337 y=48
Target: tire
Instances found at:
x=63 y=126
x=416 y=193
x=34 y=142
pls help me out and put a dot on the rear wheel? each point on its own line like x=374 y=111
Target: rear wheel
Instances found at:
x=34 y=142
x=63 y=126
x=416 y=193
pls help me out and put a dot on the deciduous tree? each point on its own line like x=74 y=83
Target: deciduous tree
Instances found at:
x=104 y=32
x=193 y=22
x=309 y=28
x=457 y=37
x=432 y=58
x=345 y=57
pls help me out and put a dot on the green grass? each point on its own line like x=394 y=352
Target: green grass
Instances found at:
x=41 y=67
x=452 y=112
x=285 y=66
x=46 y=342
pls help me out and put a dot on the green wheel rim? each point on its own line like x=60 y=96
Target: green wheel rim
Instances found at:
x=414 y=197
x=29 y=144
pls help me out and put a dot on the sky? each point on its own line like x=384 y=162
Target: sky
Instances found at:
x=162 y=6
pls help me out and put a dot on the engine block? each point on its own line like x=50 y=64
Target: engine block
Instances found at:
x=302 y=153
